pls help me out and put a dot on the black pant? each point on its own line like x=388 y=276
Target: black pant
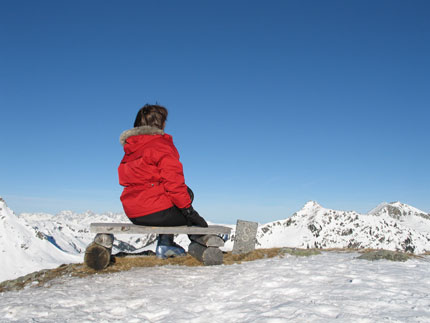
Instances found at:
x=171 y=217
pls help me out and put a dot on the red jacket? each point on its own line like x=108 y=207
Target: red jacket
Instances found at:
x=151 y=173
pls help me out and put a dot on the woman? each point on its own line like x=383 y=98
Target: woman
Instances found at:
x=154 y=192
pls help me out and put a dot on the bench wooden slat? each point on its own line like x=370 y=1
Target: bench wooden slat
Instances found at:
x=129 y=228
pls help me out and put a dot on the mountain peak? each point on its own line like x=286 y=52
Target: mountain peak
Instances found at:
x=378 y=208
x=398 y=210
x=312 y=205
x=5 y=212
x=398 y=204
x=393 y=226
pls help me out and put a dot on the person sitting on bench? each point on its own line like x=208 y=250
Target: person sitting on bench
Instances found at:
x=155 y=193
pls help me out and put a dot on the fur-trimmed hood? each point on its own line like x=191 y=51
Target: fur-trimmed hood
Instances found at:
x=144 y=130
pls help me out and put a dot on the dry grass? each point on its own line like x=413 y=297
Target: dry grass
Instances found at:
x=130 y=261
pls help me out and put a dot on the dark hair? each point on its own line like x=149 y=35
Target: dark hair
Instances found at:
x=153 y=115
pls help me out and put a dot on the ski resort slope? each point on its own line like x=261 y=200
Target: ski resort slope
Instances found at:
x=331 y=287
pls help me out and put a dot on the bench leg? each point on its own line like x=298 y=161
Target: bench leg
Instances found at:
x=208 y=255
x=104 y=239
x=98 y=253
x=208 y=240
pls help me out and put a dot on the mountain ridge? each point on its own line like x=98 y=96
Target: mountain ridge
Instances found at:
x=23 y=248
x=33 y=241
x=392 y=226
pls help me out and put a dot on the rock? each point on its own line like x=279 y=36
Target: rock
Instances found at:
x=300 y=252
x=385 y=254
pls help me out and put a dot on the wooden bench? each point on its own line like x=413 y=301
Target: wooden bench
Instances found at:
x=204 y=245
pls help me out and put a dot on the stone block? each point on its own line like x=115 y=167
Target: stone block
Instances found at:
x=245 y=237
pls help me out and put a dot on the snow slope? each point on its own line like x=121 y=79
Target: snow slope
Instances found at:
x=331 y=287
x=25 y=250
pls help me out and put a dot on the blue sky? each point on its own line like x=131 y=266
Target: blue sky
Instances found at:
x=271 y=103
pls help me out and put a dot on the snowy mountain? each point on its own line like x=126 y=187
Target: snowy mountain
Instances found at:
x=24 y=249
x=32 y=241
x=392 y=226
x=71 y=231
x=405 y=214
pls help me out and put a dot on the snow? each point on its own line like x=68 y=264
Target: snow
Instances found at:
x=378 y=208
x=392 y=226
x=323 y=288
x=23 y=250
x=31 y=242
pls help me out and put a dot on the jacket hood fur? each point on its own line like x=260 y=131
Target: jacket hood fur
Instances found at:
x=143 y=130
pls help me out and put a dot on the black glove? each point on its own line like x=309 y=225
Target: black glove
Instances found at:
x=193 y=218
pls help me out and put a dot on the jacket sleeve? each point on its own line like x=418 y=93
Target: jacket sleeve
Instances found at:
x=172 y=175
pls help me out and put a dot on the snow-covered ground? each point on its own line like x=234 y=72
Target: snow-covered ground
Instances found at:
x=324 y=288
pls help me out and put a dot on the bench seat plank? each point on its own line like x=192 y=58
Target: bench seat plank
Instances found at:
x=129 y=228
